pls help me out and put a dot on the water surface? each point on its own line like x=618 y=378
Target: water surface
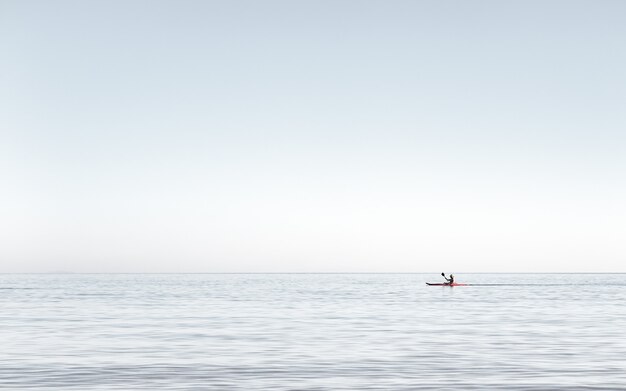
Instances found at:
x=312 y=331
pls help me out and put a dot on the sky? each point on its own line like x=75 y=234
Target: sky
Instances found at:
x=312 y=136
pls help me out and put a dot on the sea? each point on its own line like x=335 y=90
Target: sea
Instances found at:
x=312 y=332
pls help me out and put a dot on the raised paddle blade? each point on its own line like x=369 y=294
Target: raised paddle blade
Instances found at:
x=443 y=274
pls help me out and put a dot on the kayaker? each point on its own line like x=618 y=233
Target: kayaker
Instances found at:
x=449 y=280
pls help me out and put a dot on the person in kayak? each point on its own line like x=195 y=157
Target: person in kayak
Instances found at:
x=449 y=280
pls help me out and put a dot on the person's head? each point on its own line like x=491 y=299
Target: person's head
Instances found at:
x=451 y=275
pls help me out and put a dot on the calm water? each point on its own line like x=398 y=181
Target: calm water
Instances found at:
x=312 y=331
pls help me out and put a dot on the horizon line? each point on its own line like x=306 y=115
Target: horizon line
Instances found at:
x=438 y=273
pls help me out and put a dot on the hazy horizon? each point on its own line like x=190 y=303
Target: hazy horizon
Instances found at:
x=431 y=275
x=327 y=136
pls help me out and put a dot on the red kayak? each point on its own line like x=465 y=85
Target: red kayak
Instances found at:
x=445 y=284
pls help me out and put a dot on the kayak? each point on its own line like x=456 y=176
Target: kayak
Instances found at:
x=445 y=284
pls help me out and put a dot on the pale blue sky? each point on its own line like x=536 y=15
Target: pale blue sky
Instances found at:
x=205 y=136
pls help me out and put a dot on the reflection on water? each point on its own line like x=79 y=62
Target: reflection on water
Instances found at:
x=312 y=331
